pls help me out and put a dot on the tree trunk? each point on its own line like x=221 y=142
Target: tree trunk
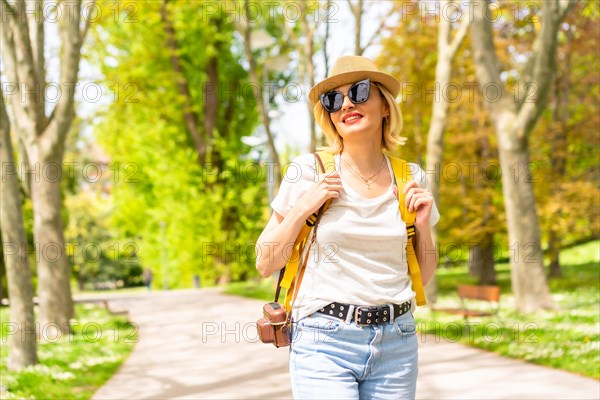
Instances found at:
x=22 y=338
x=513 y=122
x=43 y=138
x=54 y=290
x=558 y=154
x=357 y=12
x=481 y=254
x=322 y=141
x=190 y=117
x=262 y=107
x=447 y=48
x=309 y=51
x=481 y=260
x=554 y=253
x=527 y=261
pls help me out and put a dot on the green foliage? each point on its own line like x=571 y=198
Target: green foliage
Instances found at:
x=73 y=366
x=185 y=218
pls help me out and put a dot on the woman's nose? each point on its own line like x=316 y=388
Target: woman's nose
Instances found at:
x=347 y=103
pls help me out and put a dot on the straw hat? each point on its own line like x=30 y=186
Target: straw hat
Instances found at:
x=351 y=69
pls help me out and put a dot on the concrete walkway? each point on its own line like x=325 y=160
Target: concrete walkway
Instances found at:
x=201 y=344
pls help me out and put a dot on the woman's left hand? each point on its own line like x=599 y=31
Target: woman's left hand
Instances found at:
x=418 y=199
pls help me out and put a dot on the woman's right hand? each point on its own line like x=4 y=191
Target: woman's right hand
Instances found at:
x=327 y=187
x=273 y=243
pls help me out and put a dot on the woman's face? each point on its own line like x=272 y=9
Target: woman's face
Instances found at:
x=360 y=120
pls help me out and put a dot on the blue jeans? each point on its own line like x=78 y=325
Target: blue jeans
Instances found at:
x=330 y=359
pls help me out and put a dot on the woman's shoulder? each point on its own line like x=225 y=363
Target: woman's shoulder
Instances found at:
x=418 y=174
x=304 y=159
x=301 y=167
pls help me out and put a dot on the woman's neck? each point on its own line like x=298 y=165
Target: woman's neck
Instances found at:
x=364 y=157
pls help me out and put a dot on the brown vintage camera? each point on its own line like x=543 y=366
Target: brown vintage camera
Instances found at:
x=273 y=327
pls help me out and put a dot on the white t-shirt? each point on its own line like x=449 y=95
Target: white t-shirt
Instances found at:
x=359 y=253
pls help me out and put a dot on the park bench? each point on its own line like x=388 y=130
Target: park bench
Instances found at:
x=486 y=298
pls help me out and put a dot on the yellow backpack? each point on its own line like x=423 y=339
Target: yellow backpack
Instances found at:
x=291 y=277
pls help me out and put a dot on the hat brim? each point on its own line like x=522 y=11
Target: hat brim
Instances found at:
x=389 y=82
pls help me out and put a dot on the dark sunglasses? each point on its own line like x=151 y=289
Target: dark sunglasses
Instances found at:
x=358 y=93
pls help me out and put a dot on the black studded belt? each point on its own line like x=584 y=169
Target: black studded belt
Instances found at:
x=366 y=315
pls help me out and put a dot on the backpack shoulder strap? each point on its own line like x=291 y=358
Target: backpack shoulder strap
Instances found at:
x=403 y=175
x=324 y=162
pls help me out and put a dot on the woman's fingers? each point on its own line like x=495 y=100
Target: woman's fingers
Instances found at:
x=332 y=184
x=416 y=196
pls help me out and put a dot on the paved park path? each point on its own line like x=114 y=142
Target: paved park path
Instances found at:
x=202 y=344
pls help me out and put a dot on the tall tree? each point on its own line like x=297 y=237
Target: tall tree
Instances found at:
x=358 y=10
x=447 y=47
x=513 y=121
x=262 y=104
x=43 y=135
x=209 y=212
x=566 y=137
x=190 y=116
x=22 y=344
x=308 y=30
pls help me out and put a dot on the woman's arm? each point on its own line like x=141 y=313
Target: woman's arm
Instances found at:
x=421 y=200
x=426 y=252
x=273 y=247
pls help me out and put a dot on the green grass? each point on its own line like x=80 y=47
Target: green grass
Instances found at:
x=71 y=366
x=262 y=290
x=567 y=338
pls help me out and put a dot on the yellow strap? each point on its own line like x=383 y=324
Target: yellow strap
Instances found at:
x=291 y=269
x=292 y=266
x=402 y=174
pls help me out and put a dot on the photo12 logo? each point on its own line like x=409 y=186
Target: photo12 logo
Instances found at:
x=69 y=10
x=88 y=92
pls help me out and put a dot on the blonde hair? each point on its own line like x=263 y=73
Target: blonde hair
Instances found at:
x=392 y=126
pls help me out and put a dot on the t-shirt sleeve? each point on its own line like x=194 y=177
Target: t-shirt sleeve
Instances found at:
x=299 y=176
x=421 y=178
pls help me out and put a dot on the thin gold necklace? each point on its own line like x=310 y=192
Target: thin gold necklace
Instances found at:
x=362 y=178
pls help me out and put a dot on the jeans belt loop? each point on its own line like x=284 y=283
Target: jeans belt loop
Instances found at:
x=392 y=316
x=350 y=314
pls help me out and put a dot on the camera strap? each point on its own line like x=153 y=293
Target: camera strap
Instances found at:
x=278 y=290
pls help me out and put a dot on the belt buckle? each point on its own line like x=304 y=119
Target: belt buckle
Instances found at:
x=363 y=309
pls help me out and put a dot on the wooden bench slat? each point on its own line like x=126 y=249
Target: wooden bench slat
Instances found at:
x=484 y=293
x=487 y=293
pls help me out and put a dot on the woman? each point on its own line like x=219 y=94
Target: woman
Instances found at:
x=358 y=257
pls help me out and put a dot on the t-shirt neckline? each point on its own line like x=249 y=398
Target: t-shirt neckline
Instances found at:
x=354 y=193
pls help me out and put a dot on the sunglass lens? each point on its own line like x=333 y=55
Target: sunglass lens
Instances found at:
x=332 y=101
x=359 y=92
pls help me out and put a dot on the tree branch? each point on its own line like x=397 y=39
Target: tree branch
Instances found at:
x=486 y=59
x=8 y=9
x=541 y=68
x=86 y=26
x=9 y=54
x=565 y=7
x=4 y=121
x=62 y=116
x=352 y=7
x=36 y=23
x=24 y=67
x=378 y=31
x=460 y=36
x=190 y=116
